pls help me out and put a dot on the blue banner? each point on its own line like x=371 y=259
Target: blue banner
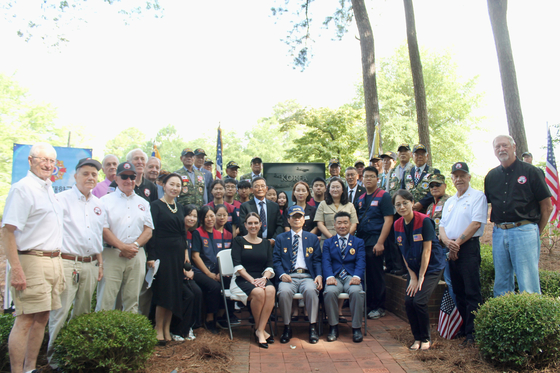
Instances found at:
x=64 y=170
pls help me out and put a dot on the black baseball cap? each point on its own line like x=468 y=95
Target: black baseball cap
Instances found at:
x=256 y=160
x=460 y=166
x=404 y=145
x=232 y=164
x=527 y=154
x=391 y=155
x=199 y=151
x=187 y=151
x=419 y=147
x=88 y=162
x=207 y=160
x=126 y=166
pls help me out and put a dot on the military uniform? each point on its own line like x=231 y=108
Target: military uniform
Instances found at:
x=395 y=179
x=435 y=210
x=420 y=190
x=192 y=192
x=249 y=176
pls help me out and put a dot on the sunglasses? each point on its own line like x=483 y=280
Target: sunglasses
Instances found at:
x=125 y=177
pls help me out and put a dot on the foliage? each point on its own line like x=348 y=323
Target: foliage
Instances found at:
x=6 y=324
x=108 y=341
x=125 y=141
x=550 y=283
x=486 y=272
x=522 y=330
x=451 y=103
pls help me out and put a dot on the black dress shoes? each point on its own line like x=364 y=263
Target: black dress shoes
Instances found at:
x=261 y=345
x=333 y=333
x=286 y=335
x=357 y=335
x=270 y=340
x=313 y=334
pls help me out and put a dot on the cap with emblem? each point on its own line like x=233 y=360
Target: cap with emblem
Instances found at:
x=232 y=164
x=526 y=154
x=207 y=160
x=199 y=151
x=126 y=167
x=256 y=160
x=419 y=147
x=88 y=162
x=358 y=162
x=187 y=151
x=391 y=155
x=296 y=209
x=375 y=158
x=436 y=179
x=334 y=162
x=460 y=166
x=404 y=145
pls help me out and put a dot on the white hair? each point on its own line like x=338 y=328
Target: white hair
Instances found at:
x=159 y=160
x=511 y=140
x=130 y=153
x=37 y=148
x=107 y=156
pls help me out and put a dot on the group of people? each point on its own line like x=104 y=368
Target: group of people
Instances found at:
x=338 y=235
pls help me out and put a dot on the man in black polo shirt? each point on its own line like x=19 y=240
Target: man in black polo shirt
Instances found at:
x=521 y=206
x=143 y=187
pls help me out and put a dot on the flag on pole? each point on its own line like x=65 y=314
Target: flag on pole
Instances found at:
x=219 y=162
x=155 y=152
x=449 y=318
x=376 y=146
x=551 y=174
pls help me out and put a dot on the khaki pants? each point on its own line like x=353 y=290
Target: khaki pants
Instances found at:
x=79 y=294
x=119 y=271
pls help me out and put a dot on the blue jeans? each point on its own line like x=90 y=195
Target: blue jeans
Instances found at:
x=516 y=250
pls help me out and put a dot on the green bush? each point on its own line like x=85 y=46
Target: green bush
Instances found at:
x=550 y=283
x=106 y=341
x=521 y=330
x=6 y=324
x=486 y=272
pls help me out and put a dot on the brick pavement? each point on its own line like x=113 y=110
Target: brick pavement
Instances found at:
x=378 y=353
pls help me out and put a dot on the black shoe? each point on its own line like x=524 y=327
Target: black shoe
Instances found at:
x=357 y=335
x=270 y=340
x=261 y=345
x=306 y=318
x=222 y=323
x=161 y=342
x=211 y=327
x=333 y=333
x=234 y=320
x=313 y=335
x=342 y=320
x=252 y=320
x=295 y=318
x=286 y=335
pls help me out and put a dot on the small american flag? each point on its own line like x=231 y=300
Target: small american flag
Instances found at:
x=449 y=318
x=552 y=180
x=219 y=162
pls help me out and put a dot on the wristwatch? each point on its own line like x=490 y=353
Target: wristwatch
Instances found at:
x=136 y=243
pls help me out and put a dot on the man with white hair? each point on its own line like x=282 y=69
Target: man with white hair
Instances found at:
x=521 y=206
x=143 y=187
x=32 y=236
x=109 y=166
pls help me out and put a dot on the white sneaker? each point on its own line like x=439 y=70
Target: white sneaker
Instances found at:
x=191 y=336
x=376 y=314
x=177 y=338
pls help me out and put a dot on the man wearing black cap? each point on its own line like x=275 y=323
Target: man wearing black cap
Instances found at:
x=387 y=161
x=143 y=187
x=256 y=170
x=403 y=167
x=127 y=228
x=360 y=165
x=416 y=181
x=193 y=187
x=208 y=165
x=334 y=170
x=375 y=161
x=82 y=244
x=527 y=157
x=199 y=156
x=232 y=168
x=462 y=224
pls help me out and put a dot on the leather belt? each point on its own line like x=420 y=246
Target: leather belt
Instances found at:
x=51 y=254
x=85 y=259
x=301 y=270
x=513 y=225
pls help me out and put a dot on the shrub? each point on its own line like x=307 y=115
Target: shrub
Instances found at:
x=550 y=283
x=106 y=341
x=522 y=330
x=6 y=324
x=486 y=272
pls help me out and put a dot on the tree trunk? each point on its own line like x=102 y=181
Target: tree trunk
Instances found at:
x=417 y=78
x=368 y=69
x=498 y=18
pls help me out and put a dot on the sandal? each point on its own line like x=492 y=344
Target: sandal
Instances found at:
x=425 y=345
x=415 y=346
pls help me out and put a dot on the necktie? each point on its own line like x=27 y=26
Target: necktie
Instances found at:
x=262 y=215
x=350 y=196
x=343 y=274
x=294 y=252
x=417 y=176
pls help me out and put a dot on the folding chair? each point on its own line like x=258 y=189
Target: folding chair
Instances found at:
x=225 y=264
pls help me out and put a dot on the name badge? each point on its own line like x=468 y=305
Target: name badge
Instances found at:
x=438 y=208
x=417 y=237
x=307 y=217
x=247 y=247
x=374 y=203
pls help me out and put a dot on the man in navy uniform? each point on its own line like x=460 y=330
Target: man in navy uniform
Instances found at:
x=297 y=263
x=344 y=264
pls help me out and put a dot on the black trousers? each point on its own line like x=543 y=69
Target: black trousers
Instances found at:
x=212 y=291
x=191 y=307
x=465 y=277
x=375 y=280
x=392 y=254
x=417 y=307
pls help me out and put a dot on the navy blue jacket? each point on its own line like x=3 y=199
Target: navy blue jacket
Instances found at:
x=354 y=260
x=282 y=254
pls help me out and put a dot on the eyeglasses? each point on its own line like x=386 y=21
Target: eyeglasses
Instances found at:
x=125 y=177
x=45 y=160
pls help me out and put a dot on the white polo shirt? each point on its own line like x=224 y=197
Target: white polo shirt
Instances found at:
x=82 y=234
x=459 y=212
x=126 y=215
x=33 y=208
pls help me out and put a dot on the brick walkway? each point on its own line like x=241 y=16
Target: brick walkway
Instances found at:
x=378 y=353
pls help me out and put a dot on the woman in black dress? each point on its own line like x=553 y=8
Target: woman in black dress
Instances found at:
x=168 y=244
x=252 y=260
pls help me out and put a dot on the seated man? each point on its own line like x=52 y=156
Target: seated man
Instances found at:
x=344 y=262
x=297 y=261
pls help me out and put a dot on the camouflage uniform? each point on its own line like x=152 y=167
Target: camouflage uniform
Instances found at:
x=191 y=193
x=394 y=180
x=435 y=210
x=421 y=189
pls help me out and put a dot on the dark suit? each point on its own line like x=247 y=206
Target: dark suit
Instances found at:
x=301 y=283
x=354 y=262
x=274 y=223
x=359 y=191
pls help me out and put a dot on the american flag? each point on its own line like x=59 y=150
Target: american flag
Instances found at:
x=219 y=162
x=552 y=180
x=449 y=318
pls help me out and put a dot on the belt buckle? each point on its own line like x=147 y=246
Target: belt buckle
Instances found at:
x=38 y=253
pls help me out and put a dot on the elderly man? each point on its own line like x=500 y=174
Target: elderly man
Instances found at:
x=82 y=244
x=208 y=164
x=344 y=264
x=462 y=224
x=153 y=167
x=387 y=161
x=109 y=165
x=142 y=187
x=193 y=189
x=416 y=181
x=353 y=189
x=297 y=261
x=127 y=228
x=521 y=206
x=334 y=170
x=199 y=157
x=232 y=168
x=256 y=170
x=32 y=236
x=398 y=174
x=360 y=165
x=527 y=157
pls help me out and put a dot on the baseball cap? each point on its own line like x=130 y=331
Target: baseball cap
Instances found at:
x=199 y=151
x=333 y=162
x=526 y=154
x=375 y=158
x=89 y=162
x=256 y=160
x=232 y=164
x=404 y=145
x=419 y=147
x=126 y=166
x=295 y=209
x=460 y=166
x=207 y=160
x=436 y=179
x=359 y=162
x=187 y=151
x=391 y=155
